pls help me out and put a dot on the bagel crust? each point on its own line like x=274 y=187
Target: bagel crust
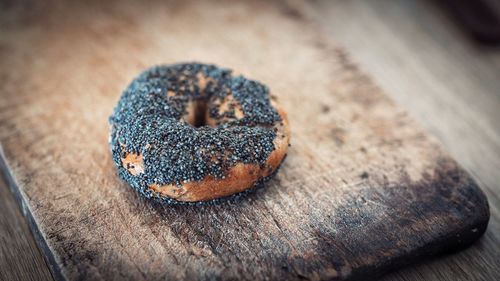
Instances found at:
x=194 y=132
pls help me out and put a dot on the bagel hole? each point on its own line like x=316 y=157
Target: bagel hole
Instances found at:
x=200 y=114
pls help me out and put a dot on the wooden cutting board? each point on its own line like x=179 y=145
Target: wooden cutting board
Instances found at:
x=363 y=190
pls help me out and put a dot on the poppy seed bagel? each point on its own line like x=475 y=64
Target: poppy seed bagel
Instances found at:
x=194 y=132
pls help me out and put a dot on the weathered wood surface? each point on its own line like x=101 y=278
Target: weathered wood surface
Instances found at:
x=20 y=257
x=448 y=83
x=364 y=189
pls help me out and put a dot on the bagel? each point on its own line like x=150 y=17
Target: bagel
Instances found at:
x=195 y=132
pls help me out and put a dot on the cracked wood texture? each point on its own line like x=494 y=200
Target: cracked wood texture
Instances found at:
x=363 y=190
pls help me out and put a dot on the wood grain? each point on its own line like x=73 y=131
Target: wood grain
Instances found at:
x=20 y=258
x=449 y=84
x=383 y=192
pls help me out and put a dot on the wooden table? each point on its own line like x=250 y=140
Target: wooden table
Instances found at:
x=423 y=62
